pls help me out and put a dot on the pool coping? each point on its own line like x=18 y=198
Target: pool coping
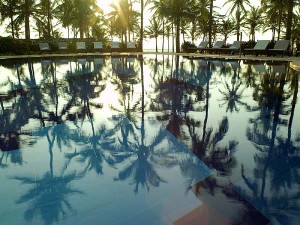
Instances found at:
x=293 y=60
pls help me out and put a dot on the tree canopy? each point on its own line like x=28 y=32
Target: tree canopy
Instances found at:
x=131 y=20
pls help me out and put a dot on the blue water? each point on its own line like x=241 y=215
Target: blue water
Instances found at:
x=148 y=140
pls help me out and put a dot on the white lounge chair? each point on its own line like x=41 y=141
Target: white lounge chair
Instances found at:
x=98 y=46
x=62 y=45
x=44 y=46
x=80 y=46
x=115 y=46
x=131 y=46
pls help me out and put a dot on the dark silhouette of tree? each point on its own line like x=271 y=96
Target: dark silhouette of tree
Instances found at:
x=8 y=10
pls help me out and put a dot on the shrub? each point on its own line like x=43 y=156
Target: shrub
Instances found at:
x=185 y=47
x=10 y=46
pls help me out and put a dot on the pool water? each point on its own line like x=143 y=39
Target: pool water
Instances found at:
x=148 y=140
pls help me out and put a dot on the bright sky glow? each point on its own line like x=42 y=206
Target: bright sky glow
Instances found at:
x=104 y=4
x=109 y=96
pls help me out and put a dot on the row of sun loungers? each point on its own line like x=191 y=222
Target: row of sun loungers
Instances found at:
x=261 y=48
x=81 y=46
x=217 y=48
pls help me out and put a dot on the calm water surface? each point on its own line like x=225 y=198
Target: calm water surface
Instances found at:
x=149 y=140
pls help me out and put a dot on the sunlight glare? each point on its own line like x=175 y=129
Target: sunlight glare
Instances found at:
x=104 y=5
x=109 y=97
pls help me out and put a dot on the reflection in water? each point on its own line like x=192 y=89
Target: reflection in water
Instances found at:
x=108 y=122
x=274 y=184
x=48 y=196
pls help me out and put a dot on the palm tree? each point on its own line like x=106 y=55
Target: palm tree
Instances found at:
x=100 y=29
x=275 y=13
x=211 y=19
x=176 y=11
x=207 y=13
x=8 y=10
x=237 y=6
x=84 y=15
x=47 y=10
x=26 y=9
x=123 y=17
x=65 y=18
x=157 y=8
x=226 y=28
x=289 y=20
x=154 y=30
x=253 y=21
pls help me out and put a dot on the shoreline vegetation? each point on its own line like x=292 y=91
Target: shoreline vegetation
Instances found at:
x=173 y=21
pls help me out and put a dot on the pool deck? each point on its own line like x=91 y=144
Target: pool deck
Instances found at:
x=293 y=60
x=191 y=55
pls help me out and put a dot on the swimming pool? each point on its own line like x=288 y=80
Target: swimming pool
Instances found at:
x=158 y=139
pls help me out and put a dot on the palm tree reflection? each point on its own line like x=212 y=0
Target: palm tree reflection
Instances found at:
x=48 y=196
x=144 y=158
x=275 y=184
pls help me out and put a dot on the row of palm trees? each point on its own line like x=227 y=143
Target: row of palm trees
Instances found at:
x=193 y=18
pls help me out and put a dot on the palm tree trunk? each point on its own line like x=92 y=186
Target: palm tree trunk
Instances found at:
x=48 y=19
x=289 y=21
x=238 y=23
x=177 y=34
x=142 y=25
x=173 y=37
x=81 y=32
x=12 y=26
x=169 y=42
x=210 y=22
x=163 y=40
x=279 y=25
x=27 y=25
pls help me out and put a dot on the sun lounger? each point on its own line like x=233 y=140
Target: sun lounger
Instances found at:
x=62 y=45
x=44 y=47
x=98 y=46
x=114 y=46
x=80 y=46
x=202 y=46
x=217 y=46
x=234 y=48
x=259 y=48
x=131 y=46
x=280 y=47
